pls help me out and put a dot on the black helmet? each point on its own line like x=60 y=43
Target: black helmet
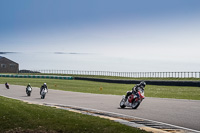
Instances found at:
x=142 y=83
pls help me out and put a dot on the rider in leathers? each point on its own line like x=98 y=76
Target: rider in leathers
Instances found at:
x=29 y=85
x=135 y=89
x=42 y=87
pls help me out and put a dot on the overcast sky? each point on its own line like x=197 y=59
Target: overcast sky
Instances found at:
x=142 y=29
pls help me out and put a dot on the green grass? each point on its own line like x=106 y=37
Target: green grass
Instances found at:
x=17 y=116
x=177 y=92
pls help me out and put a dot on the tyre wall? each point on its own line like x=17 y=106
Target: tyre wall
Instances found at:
x=149 y=82
x=36 y=76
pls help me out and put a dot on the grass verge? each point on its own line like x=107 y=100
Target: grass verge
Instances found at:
x=17 y=116
x=177 y=92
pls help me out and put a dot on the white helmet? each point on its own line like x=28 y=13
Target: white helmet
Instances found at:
x=45 y=84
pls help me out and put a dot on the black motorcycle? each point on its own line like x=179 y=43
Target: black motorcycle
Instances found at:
x=7 y=85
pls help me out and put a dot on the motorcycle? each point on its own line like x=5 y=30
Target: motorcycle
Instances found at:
x=7 y=85
x=28 y=91
x=43 y=93
x=133 y=100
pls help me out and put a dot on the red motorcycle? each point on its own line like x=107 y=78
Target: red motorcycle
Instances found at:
x=133 y=100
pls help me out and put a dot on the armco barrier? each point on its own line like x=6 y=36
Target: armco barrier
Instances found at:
x=149 y=82
x=37 y=76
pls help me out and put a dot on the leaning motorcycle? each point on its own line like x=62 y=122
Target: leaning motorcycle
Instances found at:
x=133 y=100
x=28 y=91
x=43 y=93
x=7 y=86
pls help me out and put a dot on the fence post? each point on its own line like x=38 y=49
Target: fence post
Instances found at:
x=182 y=74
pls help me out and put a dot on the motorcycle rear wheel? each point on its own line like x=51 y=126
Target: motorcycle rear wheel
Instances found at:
x=122 y=104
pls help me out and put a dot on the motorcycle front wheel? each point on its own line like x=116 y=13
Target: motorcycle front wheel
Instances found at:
x=135 y=104
x=29 y=94
x=42 y=96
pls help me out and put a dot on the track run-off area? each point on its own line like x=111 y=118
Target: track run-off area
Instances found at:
x=178 y=112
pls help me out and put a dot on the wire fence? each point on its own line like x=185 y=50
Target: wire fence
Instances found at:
x=121 y=74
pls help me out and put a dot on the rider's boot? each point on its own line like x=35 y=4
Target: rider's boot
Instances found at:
x=126 y=97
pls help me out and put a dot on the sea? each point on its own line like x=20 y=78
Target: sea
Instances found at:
x=95 y=62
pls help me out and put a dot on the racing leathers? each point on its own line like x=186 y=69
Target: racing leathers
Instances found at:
x=43 y=87
x=134 y=91
x=27 y=87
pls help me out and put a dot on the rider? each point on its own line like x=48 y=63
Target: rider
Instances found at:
x=135 y=89
x=29 y=85
x=43 y=86
x=6 y=84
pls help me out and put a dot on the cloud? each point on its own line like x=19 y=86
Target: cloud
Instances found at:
x=8 y=52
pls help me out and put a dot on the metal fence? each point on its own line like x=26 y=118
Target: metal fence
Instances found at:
x=122 y=74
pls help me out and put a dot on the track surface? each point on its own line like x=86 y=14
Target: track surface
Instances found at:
x=184 y=113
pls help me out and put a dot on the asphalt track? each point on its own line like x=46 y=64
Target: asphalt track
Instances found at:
x=184 y=113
